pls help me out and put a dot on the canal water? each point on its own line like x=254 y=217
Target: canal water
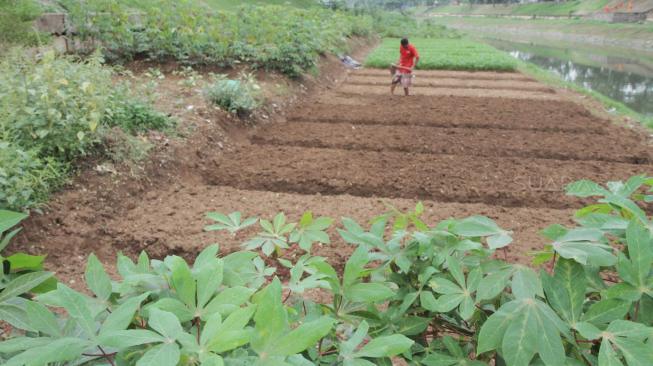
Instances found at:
x=623 y=76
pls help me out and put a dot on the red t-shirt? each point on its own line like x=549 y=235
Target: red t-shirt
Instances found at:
x=408 y=56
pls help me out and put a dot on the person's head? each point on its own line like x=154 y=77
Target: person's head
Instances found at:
x=404 y=42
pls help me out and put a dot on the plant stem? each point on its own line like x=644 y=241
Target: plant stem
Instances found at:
x=553 y=262
x=287 y=296
x=107 y=356
x=636 y=311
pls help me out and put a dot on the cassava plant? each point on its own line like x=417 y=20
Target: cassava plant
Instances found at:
x=426 y=295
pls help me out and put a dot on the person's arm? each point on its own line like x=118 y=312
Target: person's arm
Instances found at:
x=416 y=57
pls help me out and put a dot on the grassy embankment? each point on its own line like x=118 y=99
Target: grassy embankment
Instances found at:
x=538 y=9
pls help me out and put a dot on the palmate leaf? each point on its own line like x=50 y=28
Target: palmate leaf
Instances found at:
x=585 y=246
x=310 y=231
x=520 y=329
x=231 y=223
x=565 y=290
x=481 y=226
x=9 y=219
x=627 y=337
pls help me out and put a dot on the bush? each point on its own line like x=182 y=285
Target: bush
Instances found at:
x=279 y=38
x=428 y=295
x=236 y=96
x=52 y=111
x=16 y=17
x=25 y=178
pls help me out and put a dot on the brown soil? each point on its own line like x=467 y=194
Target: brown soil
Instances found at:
x=506 y=84
x=450 y=111
x=456 y=141
x=343 y=150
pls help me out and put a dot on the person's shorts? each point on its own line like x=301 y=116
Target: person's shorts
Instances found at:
x=406 y=80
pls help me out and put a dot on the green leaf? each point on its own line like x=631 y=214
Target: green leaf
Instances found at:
x=166 y=354
x=354 y=266
x=607 y=355
x=231 y=223
x=15 y=316
x=565 y=290
x=23 y=284
x=467 y=307
x=520 y=341
x=605 y=311
x=122 y=316
x=23 y=262
x=122 y=339
x=368 y=292
x=209 y=278
x=585 y=247
x=446 y=303
x=477 y=226
x=385 y=346
x=97 y=279
x=77 y=308
x=176 y=307
x=640 y=251
x=636 y=352
x=492 y=284
x=228 y=300
x=42 y=319
x=440 y=359
x=165 y=323
x=585 y=188
x=17 y=344
x=526 y=283
x=493 y=330
x=303 y=337
x=549 y=344
x=588 y=330
x=428 y=302
x=60 y=350
x=182 y=279
x=9 y=219
x=444 y=286
x=271 y=318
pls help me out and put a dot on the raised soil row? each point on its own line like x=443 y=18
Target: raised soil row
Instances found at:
x=455 y=141
x=449 y=111
x=420 y=81
x=445 y=178
x=348 y=89
x=466 y=75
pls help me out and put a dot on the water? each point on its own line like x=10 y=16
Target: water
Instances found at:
x=622 y=76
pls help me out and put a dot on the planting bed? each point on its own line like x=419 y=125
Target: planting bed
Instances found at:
x=348 y=151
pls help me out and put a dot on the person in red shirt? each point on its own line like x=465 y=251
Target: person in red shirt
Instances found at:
x=402 y=73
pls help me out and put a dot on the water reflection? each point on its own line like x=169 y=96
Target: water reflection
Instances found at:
x=627 y=80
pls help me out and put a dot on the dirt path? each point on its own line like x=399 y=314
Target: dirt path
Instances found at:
x=494 y=144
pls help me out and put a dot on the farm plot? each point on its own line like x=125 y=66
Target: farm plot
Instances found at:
x=351 y=155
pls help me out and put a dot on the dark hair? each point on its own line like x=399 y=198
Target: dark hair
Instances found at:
x=404 y=42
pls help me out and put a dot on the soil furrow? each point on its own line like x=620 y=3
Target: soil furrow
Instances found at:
x=537 y=115
x=455 y=141
x=511 y=182
x=349 y=89
x=454 y=83
x=465 y=75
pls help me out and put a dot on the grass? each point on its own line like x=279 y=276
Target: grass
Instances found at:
x=445 y=54
x=540 y=9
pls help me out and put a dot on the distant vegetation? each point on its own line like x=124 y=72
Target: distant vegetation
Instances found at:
x=449 y=54
x=547 y=8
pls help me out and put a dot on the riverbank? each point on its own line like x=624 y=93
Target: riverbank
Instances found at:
x=632 y=36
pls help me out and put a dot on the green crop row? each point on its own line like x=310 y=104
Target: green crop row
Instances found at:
x=280 y=38
x=444 y=53
x=410 y=294
x=54 y=110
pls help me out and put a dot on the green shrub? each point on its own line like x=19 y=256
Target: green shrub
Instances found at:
x=25 y=178
x=16 y=17
x=279 y=38
x=428 y=295
x=238 y=96
x=52 y=111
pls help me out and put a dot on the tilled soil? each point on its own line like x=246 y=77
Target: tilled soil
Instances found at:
x=446 y=178
x=496 y=144
x=487 y=142
x=454 y=111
